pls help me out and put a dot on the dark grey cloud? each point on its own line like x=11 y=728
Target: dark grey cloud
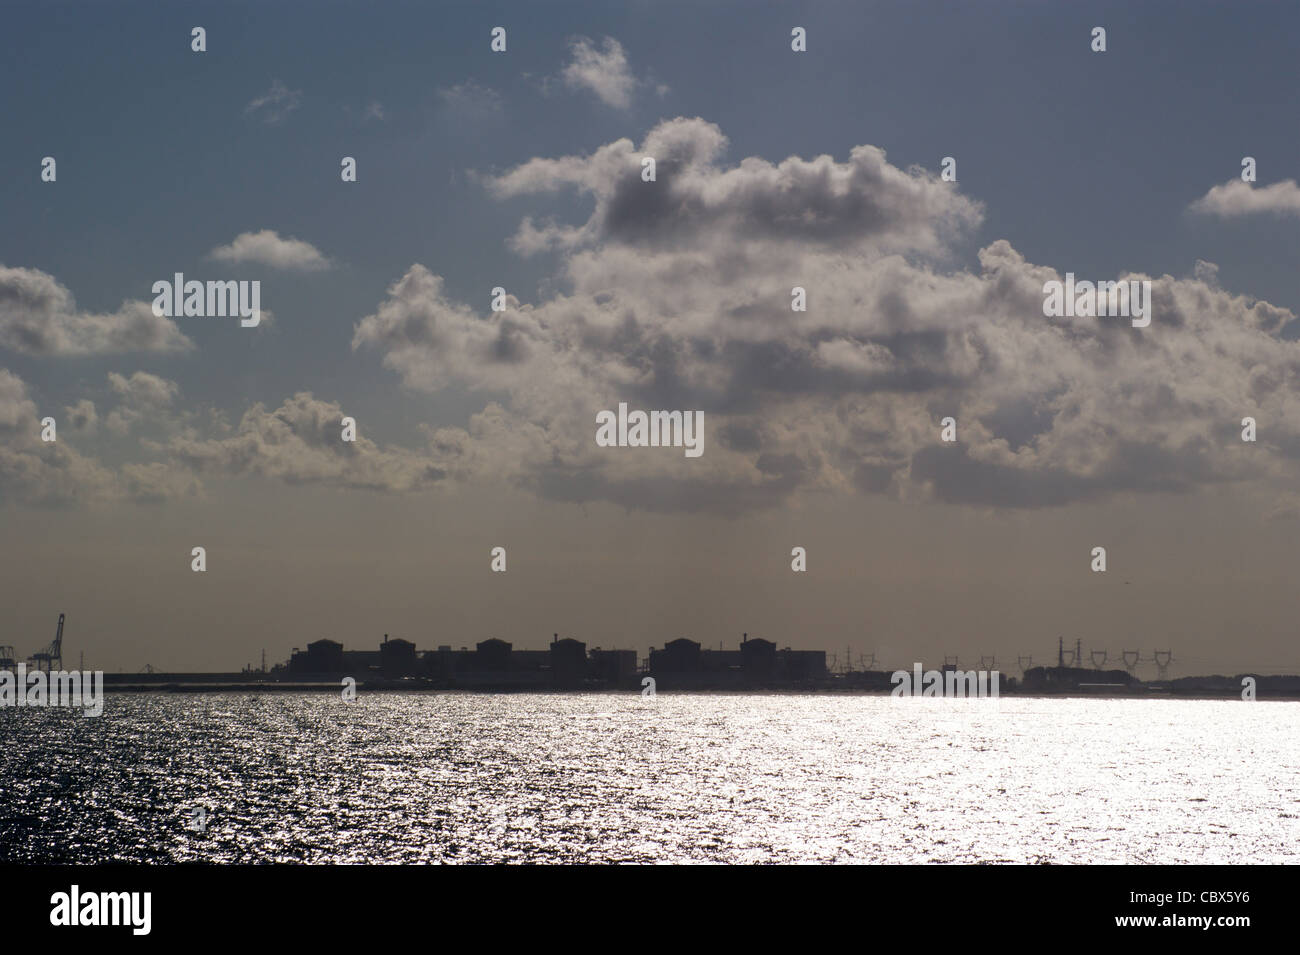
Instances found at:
x=695 y=202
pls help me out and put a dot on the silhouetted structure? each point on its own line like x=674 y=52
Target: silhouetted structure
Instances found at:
x=492 y=655
x=568 y=661
x=613 y=667
x=51 y=656
x=322 y=656
x=758 y=658
x=677 y=656
x=1062 y=679
x=397 y=657
x=683 y=664
x=801 y=665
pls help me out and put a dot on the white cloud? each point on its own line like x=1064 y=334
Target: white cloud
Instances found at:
x=1238 y=198
x=141 y=397
x=301 y=443
x=36 y=472
x=696 y=203
x=603 y=71
x=678 y=297
x=268 y=248
x=143 y=390
x=38 y=316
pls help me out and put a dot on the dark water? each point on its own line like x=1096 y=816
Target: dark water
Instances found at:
x=464 y=778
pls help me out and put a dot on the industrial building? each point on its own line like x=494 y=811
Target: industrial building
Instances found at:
x=685 y=664
x=567 y=663
x=490 y=664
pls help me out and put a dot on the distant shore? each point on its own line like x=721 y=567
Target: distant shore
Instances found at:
x=124 y=684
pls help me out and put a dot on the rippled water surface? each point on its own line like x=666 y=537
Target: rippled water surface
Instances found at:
x=709 y=778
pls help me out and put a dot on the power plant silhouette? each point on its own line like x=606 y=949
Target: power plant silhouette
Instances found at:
x=1075 y=669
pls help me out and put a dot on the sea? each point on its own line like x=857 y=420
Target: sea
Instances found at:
x=424 y=777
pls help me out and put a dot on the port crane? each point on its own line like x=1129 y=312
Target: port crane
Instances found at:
x=53 y=654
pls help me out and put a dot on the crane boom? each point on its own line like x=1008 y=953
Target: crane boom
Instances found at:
x=52 y=653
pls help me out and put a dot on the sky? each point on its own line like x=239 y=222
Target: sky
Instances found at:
x=522 y=170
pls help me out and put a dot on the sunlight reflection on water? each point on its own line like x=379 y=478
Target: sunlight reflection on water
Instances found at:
x=677 y=778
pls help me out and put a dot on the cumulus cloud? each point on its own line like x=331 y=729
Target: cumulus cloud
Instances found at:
x=33 y=471
x=677 y=296
x=38 y=316
x=698 y=204
x=301 y=442
x=298 y=443
x=268 y=248
x=143 y=390
x=602 y=70
x=1238 y=198
x=275 y=105
x=141 y=397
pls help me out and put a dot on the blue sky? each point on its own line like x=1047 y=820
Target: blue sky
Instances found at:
x=1081 y=158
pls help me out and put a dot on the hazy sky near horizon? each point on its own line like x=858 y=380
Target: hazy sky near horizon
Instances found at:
x=476 y=429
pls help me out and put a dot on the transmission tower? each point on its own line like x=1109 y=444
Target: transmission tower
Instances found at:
x=1131 y=659
x=1162 y=659
x=1098 y=664
x=1024 y=663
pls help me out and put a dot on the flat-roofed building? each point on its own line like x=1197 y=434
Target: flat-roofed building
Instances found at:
x=397 y=657
x=321 y=656
x=677 y=656
x=616 y=667
x=492 y=654
x=758 y=657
